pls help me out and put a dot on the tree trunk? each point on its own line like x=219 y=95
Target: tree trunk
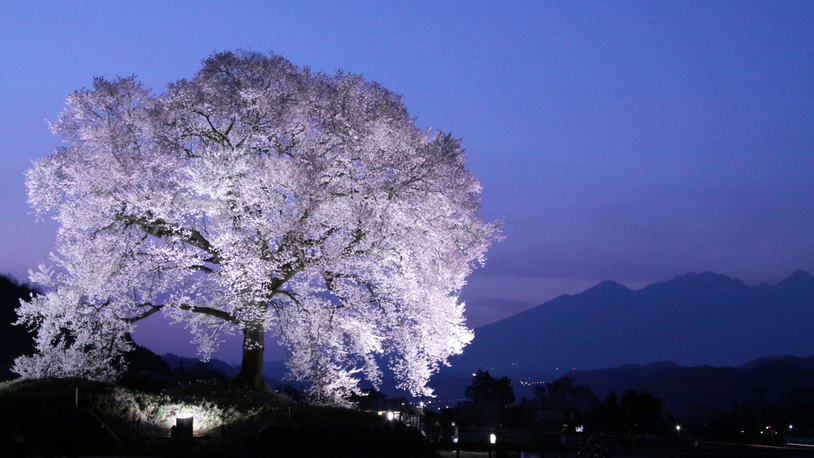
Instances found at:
x=251 y=368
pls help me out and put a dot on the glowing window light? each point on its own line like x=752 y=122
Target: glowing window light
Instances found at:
x=492 y=439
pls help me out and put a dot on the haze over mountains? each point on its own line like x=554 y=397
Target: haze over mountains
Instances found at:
x=694 y=319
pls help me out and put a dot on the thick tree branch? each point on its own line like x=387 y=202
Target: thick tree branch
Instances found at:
x=153 y=308
x=203 y=269
x=211 y=312
x=160 y=228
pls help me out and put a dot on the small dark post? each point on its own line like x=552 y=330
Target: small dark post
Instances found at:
x=183 y=429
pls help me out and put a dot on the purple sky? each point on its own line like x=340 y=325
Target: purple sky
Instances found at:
x=630 y=141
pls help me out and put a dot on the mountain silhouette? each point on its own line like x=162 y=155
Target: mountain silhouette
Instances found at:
x=693 y=319
x=682 y=389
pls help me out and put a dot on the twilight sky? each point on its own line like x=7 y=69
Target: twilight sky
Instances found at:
x=627 y=141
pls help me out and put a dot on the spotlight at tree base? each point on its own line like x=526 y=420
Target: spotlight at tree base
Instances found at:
x=183 y=428
x=492 y=442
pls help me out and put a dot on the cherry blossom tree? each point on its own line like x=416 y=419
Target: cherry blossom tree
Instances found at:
x=260 y=197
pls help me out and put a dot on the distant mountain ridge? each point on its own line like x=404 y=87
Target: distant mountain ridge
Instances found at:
x=182 y=363
x=683 y=389
x=693 y=319
x=214 y=368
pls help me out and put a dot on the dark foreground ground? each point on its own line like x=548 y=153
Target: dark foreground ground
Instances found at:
x=74 y=418
x=43 y=433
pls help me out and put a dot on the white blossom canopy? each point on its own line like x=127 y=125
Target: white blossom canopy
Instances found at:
x=261 y=196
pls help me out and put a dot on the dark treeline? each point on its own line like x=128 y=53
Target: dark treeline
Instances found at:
x=561 y=406
x=759 y=420
x=565 y=406
x=14 y=340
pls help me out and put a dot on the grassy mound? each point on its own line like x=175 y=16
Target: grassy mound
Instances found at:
x=224 y=414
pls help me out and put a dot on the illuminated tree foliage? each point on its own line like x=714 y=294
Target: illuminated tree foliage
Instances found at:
x=262 y=197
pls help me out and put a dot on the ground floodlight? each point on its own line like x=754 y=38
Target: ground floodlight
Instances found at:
x=183 y=427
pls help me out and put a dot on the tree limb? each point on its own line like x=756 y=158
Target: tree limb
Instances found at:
x=191 y=308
